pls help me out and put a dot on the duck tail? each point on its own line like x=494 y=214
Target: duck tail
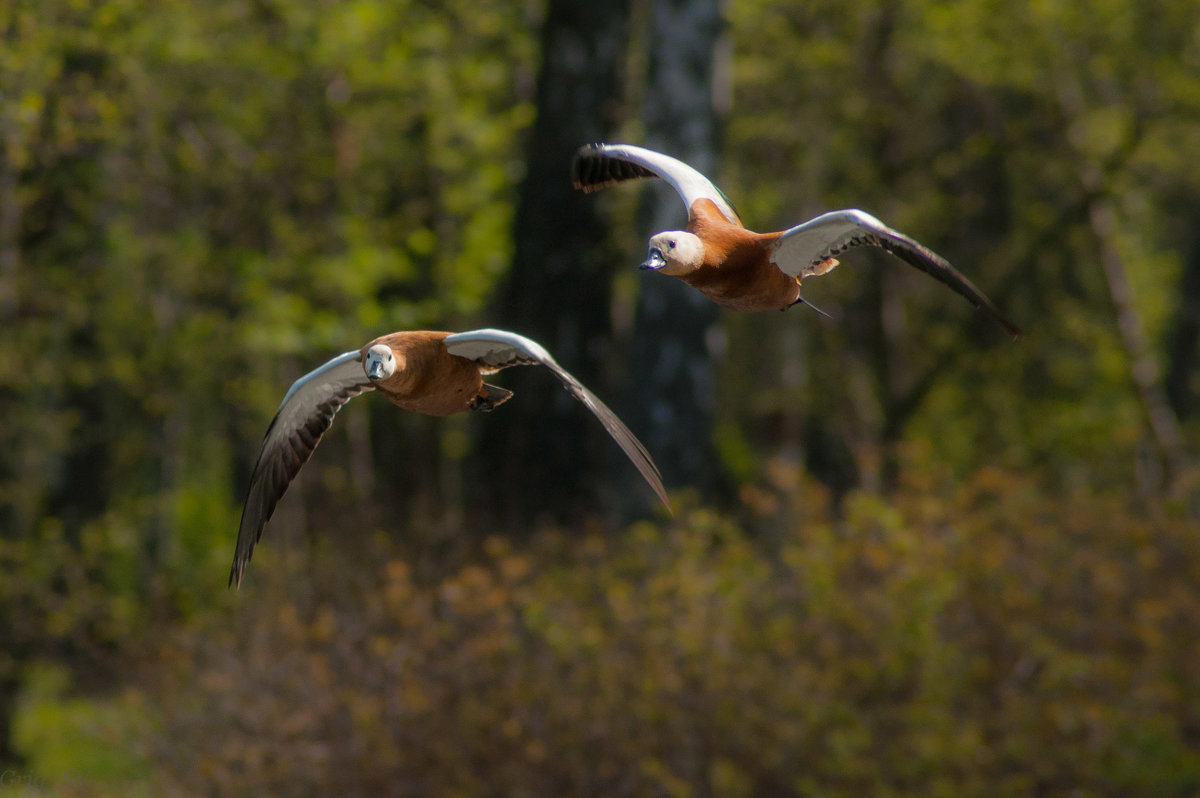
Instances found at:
x=489 y=397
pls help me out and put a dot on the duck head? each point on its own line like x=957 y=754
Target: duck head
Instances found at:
x=380 y=362
x=675 y=253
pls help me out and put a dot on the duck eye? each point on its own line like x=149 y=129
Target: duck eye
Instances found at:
x=671 y=244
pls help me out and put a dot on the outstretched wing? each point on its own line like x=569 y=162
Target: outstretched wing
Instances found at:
x=305 y=414
x=805 y=251
x=598 y=165
x=497 y=349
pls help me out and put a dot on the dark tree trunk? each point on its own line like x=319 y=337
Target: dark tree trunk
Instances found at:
x=885 y=368
x=669 y=388
x=543 y=452
x=10 y=222
x=9 y=757
x=1183 y=346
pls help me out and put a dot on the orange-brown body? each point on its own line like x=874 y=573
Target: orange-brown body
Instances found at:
x=428 y=379
x=737 y=273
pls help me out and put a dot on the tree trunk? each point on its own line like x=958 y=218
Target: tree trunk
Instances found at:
x=10 y=218
x=887 y=372
x=9 y=688
x=542 y=453
x=669 y=387
x=10 y=208
x=1164 y=426
x=1183 y=347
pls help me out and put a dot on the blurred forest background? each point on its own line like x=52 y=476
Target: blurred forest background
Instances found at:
x=908 y=556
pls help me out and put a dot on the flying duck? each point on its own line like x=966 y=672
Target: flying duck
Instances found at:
x=743 y=270
x=435 y=373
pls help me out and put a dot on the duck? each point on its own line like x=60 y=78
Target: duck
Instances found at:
x=740 y=269
x=429 y=372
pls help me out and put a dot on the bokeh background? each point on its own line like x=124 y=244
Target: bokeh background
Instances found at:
x=908 y=556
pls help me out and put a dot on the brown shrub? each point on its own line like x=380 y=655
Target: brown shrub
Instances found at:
x=980 y=640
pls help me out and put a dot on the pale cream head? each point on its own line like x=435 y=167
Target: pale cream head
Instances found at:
x=380 y=362
x=675 y=252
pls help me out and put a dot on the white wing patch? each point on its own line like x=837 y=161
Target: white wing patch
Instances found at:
x=801 y=250
x=807 y=250
x=594 y=169
x=497 y=349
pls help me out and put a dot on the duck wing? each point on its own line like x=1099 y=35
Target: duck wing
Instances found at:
x=596 y=166
x=493 y=350
x=807 y=250
x=305 y=414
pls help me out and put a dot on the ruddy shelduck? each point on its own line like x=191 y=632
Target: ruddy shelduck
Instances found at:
x=435 y=373
x=743 y=270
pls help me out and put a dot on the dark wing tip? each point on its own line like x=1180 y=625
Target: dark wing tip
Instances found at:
x=916 y=254
x=235 y=575
x=270 y=481
x=624 y=437
x=637 y=454
x=593 y=169
x=259 y=507
x=511 y=349
x=662 y=494
x=1013 y=330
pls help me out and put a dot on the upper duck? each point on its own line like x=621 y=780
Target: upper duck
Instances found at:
x=743 y=270
x=435 y=373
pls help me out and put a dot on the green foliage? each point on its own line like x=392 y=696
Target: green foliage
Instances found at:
x=207 y=199
x=199 y=201
x=980 y=639
x=978 y=128
x=78 y=743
